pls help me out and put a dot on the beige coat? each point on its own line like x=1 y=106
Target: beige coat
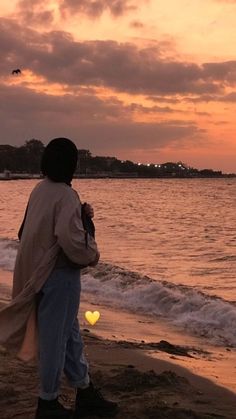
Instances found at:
x=53 y=222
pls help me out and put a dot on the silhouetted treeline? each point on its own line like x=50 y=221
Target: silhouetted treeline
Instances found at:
x=26 y=159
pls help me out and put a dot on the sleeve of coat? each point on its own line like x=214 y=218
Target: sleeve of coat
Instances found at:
x=77 y=244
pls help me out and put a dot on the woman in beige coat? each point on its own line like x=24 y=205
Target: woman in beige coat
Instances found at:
x=42 y=318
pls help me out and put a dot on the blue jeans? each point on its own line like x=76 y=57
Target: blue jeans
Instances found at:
x=60 y=342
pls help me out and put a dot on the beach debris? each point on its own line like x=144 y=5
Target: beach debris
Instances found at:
x=165 y=412
x=95 y=337
x=163 y=346
x=133 y=379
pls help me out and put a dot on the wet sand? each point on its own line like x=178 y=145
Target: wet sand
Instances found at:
x=144 y=387
x=150 y=368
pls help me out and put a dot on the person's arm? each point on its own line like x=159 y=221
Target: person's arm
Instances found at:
x=79 y=246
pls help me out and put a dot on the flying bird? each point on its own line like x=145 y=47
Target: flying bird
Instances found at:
x=16 y=71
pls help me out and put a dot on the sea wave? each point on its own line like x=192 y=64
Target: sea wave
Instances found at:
x=197 y=312
x=203 y=315
x=8 y=249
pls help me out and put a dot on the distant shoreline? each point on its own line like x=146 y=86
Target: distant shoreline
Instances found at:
x=104 y=176
x=24 y=162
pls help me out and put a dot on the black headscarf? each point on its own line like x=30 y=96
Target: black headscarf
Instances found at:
x=59 y=160
x=58 y=163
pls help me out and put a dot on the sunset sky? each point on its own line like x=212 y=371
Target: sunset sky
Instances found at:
x=145 y=80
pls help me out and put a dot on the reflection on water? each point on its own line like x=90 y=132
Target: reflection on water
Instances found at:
x=181 y=230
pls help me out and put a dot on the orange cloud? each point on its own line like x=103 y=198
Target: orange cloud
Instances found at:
x=114 y=92
x=58 y=58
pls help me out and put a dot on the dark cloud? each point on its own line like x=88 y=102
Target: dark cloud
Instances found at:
x=203 y=113
x=202 y=98
x=160 y=99
x=39 y=12
x=120 y=66
x=94 y=8
x=136 y=107
x=136 y=24
x=82 y=68
x=229 y=97
x=84 y=105
x=92 y=122
x=225 y=71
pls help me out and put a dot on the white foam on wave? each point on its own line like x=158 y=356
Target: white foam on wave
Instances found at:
x=203 y=315
x=8 y=249
x=199 y=313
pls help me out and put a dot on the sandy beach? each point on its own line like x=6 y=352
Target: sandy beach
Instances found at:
x=143 y=387
x=164 y=375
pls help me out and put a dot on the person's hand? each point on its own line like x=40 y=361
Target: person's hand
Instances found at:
x=89 y=210
x=96 y=260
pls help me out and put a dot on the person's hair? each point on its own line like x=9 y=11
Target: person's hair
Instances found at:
x=59 y=160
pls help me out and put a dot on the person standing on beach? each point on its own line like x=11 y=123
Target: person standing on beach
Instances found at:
x=42 y=318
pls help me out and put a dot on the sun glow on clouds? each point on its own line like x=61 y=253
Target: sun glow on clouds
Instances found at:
x=39 y=84
x=142 y=78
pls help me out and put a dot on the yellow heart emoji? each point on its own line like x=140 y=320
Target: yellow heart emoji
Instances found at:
x=92 y=317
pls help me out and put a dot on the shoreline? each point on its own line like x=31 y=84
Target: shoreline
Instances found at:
x=140 y=331
x=152 y=369
x=162 y=341
x=115 y=176
x=158 y=339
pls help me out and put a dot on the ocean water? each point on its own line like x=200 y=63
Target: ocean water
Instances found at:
x=168 y=248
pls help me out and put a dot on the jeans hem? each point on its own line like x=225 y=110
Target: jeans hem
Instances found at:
x=48 y=396
x=81 y=384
